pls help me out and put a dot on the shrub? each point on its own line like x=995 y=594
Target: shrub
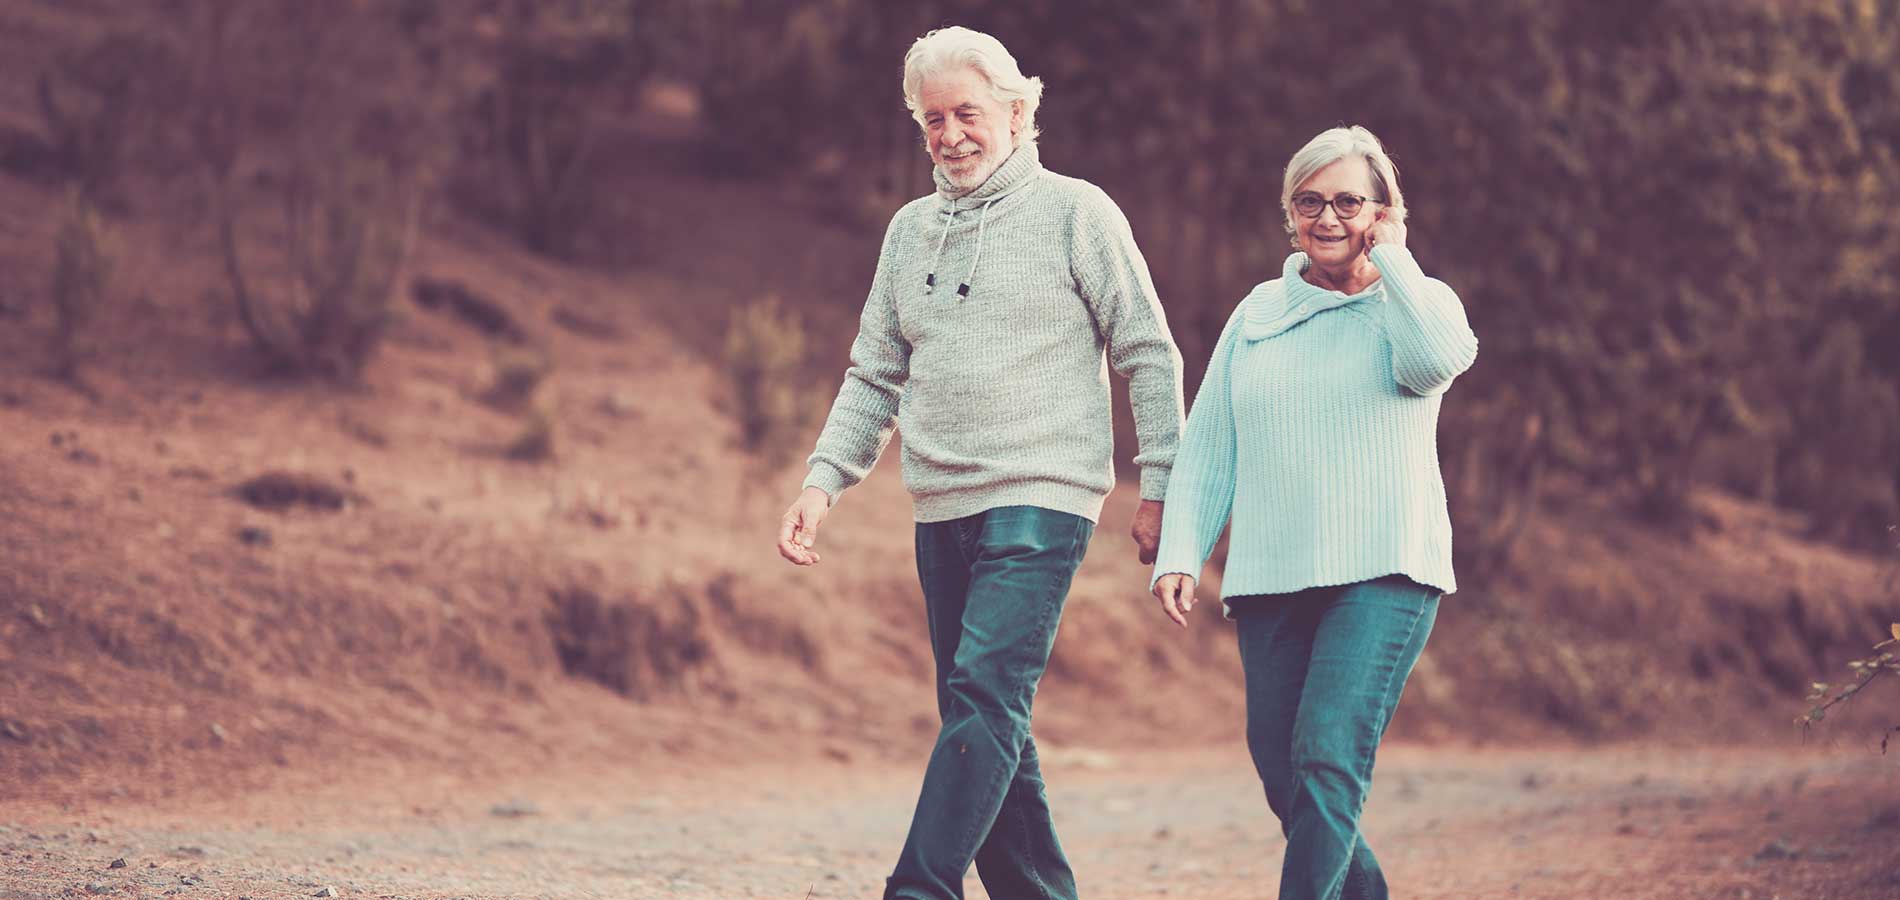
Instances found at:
x=345 y=248
x=535 y=124
x=82 y=267
x=519 y=373
x=535 y=442
x=351 y=187
x=97 y=102
x=1884 y=661
x=765 y=350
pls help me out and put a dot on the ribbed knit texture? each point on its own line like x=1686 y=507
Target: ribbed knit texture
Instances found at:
x=1316 y=428
x=1003 y=395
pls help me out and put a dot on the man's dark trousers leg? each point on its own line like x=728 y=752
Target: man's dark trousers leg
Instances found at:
x=994 y=586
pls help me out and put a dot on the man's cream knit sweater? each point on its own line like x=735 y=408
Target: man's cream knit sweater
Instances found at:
x=983 y=341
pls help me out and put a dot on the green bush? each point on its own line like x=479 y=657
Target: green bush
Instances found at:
x=82 y=268
x=347 y=190
x=765 y=354
x=1884 y=661
x=349 y=230
x=535 y=441
x=535 y=123
x=519 y=372
x=98 y=102
x=1651 y=213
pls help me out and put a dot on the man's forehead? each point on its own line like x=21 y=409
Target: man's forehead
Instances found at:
x=958 y=88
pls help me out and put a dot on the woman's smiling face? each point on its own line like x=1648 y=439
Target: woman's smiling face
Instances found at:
x=1329 y=240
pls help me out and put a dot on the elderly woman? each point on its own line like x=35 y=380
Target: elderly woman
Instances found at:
x=1316 y=429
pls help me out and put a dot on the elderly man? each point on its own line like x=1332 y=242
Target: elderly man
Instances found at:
x=983 y=339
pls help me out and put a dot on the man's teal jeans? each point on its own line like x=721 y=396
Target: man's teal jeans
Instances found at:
x=994 y=585
x=1324 y=670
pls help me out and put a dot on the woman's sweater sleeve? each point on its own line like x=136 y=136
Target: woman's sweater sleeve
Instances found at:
x=1425 y=323
x=1201 y=490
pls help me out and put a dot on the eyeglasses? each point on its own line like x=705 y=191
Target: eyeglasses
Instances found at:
x=1310 y=204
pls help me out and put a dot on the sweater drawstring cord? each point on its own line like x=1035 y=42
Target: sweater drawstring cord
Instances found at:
x=963 y=290
x=930 y=280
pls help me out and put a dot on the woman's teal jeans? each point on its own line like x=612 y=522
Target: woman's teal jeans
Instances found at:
x=1324 y=670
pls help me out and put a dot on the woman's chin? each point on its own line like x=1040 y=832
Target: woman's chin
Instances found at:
x=1331 y=254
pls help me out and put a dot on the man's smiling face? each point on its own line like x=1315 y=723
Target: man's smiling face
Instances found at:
x=967 y=130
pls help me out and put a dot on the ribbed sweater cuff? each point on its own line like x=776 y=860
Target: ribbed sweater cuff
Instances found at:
x=1154 y=482
x=1165 y=566
x=828 y=478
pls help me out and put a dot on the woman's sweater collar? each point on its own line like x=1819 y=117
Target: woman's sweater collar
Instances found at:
x=1271 y=311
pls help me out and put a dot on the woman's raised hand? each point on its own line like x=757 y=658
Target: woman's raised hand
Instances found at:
x=1388 y=227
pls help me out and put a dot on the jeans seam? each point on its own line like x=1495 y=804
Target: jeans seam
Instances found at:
x=1385 y=698
x=1035 y=870
x=967 y=535
x=1371 y=747
x=1051 y=615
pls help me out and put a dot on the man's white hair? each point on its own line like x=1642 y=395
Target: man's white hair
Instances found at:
x=956 y=47
x=1331 y=146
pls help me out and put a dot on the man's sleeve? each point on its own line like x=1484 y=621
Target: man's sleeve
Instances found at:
x=1114 y=281
x=864 y=415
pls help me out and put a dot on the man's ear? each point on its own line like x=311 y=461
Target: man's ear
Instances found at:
x=1015 y=117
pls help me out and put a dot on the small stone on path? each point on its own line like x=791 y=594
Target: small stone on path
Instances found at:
x=514 y=809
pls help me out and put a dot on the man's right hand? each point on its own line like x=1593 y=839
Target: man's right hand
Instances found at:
x=798 y=530
x=1176 y=593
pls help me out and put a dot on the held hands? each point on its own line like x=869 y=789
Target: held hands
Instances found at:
x=1388 y=228
x=798 y=530
x=1147 y=531
x=1176 y=593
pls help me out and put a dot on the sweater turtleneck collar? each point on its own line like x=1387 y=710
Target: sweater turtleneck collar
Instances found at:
x=1018 y=170
x=1271 y=312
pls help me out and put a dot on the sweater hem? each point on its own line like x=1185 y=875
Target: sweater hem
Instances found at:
x=1444 y=584
x=946 y=505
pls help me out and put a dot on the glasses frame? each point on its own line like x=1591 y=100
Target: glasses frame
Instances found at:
x=1324 y=202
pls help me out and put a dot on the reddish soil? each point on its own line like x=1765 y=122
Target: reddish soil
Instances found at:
x=319 y=630
x=1550 y=822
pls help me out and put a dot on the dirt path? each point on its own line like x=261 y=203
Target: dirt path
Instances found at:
x=1447 y=823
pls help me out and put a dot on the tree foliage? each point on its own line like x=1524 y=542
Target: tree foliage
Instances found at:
x=1666 y=219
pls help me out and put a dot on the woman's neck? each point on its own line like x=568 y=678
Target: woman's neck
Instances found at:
x=1349 y=279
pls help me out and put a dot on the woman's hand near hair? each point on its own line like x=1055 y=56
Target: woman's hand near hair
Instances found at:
x=1176 y=593
x=1388 y=228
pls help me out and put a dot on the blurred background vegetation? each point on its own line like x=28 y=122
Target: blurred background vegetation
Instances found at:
x=1670 y=221
x=564 y=287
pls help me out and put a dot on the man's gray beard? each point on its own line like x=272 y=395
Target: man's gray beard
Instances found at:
x=976 y=177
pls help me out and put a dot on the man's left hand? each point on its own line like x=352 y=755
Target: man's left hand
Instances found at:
x=1147 y=530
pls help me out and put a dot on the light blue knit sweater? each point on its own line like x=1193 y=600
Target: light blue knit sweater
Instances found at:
x=1316 y=427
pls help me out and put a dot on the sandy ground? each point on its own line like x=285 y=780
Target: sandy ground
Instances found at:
x=1799 y=822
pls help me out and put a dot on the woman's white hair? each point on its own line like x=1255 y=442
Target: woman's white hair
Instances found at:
x=1331 y=146
x=956 y=47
